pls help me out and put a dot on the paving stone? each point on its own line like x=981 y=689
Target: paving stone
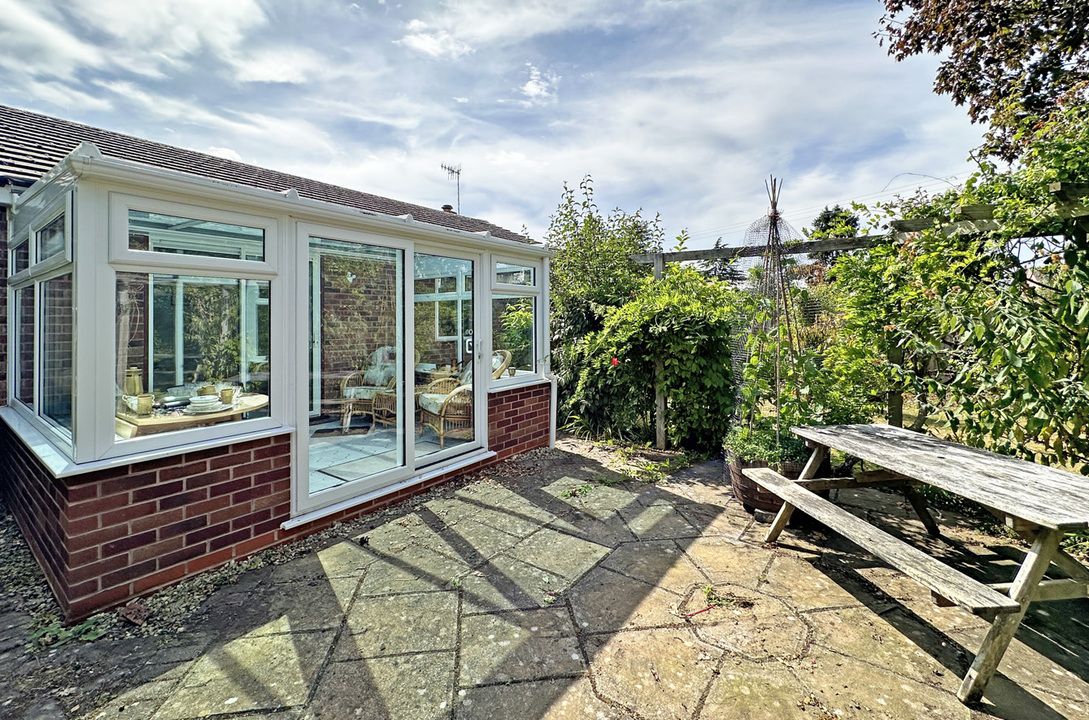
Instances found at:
x=519 y=645
x=726 y=560
x=140 y=703
x=472 y=542
x=607 y=601
x=345 y=559
x=396 y=624
x=893 y=641
x=505 y=583
x=559 y=553
x=730 y=520
x=852 y=688
x=500 y=500
x=745 y=690
x=390 y=538
x=658 y=562
x=607 y=529
x=659 y=673
x=600 y=501
x=297 y=606
x=406 y=687
x=414 y=569
x=756 y=626
x=658 y=522
x=250 y=673
x=804 y=586
x=545 y=700
x=508 y=520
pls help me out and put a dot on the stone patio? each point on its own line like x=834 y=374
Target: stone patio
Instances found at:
x=560 y=589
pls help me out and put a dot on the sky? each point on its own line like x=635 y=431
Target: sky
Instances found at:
x=680 y=108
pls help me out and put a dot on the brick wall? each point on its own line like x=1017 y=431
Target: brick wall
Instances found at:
x=111 y=535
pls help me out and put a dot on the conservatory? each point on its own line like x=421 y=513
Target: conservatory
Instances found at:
x=199 y=369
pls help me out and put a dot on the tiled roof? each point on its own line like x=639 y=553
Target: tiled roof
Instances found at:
x=31 y=144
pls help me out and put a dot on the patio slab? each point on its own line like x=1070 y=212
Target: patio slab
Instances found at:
x=533 y=598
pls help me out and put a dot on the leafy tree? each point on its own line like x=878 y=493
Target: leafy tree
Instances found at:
x=685 y=323
x=1006 y=59
x=832 y=223
x=592 y=270
x=723 y=269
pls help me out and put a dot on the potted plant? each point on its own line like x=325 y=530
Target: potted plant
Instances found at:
x=756 y=445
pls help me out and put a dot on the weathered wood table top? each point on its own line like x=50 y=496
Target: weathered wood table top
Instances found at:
x=1045 y=496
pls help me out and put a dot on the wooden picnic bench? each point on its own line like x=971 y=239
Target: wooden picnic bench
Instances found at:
x=1040 y=503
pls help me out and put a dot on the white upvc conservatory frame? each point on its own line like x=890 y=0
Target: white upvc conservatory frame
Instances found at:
x=107 y=188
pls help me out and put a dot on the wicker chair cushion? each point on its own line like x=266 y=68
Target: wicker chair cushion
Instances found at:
x=432 y=402
x=362 y=392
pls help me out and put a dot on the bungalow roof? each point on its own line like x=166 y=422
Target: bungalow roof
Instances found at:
x=31 y=144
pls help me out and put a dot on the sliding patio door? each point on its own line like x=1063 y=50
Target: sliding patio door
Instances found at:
x=356 y=389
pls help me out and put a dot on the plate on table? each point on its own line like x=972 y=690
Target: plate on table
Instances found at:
x=201 y=410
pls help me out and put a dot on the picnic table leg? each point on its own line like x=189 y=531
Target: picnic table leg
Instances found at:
x=918 y=502
x=998 y=638
x=820 y=452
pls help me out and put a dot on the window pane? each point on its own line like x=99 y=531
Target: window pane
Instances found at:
x=24 y=345
x=444 y=354
x=513 y=322
x=187 y=236
x=20 y=255
x=50 y=239
x=514 y=274
x=357 y=429
x=180 y=338
x=56 y=353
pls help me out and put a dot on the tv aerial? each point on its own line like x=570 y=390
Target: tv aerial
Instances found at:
x=454 y=171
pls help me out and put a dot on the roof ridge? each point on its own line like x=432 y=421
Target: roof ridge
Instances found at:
x=24 y=150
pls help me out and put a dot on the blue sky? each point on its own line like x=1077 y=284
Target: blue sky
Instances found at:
x=678 y=107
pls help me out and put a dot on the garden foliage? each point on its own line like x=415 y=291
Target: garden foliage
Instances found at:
x=684 y=323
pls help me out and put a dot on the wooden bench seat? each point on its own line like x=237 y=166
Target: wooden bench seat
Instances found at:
x=943 y=580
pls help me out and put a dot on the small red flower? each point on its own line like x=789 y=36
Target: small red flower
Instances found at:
x=615 y=362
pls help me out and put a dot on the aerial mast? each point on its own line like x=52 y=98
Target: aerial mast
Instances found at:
x=454 y=171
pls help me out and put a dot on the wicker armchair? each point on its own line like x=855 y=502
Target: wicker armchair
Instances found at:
x=446 y=405
x=357 y=389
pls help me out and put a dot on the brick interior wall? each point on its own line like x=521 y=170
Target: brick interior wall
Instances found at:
x=56 y=353
x=111 y=535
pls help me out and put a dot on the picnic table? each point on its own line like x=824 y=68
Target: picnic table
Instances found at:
x=1041 y=503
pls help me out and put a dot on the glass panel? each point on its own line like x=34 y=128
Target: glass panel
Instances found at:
x=24 y=345
x=444 y=351
x=20 y=257
x=181 y=359
x=356 y=326
x=50 y=239
x=515 y=274
x=187 y=236
x=56 y=353
x=513 y=324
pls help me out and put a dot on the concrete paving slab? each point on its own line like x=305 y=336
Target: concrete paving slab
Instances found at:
x=250 y=673
x=805 y=586
x=746 y=622
x=658 y=522
x=406 y=687
x=414 y=569
x=608 y=530
x=504 y=583
x=661 y=673
x=472 y=542
x=397 y=624
x=559 y=553
x=540 y=700
x=656 y=562
x=591 y=498
x=746 y=690
x=296 y=606
x=730 y=520
x=606 y=601
x=346 y=559
x=519 y=645
x=727 y=560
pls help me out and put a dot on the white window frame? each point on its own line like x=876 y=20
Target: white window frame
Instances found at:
x=32 y=278
x=540 y=314
x=148 y=262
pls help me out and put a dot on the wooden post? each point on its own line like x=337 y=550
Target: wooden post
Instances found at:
x=820 y=452
x=659 y=398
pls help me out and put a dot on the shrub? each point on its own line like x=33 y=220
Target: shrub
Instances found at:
x=682 y=322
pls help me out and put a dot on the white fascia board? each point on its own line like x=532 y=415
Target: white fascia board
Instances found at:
x=85 y=165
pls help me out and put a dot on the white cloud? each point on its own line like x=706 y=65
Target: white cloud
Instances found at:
x=541 y=87
x=224 y=152
x=433 y=43
x=34 y=42
x=279 y=65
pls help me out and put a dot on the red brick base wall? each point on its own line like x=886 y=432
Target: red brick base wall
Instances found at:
x=105 y=537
